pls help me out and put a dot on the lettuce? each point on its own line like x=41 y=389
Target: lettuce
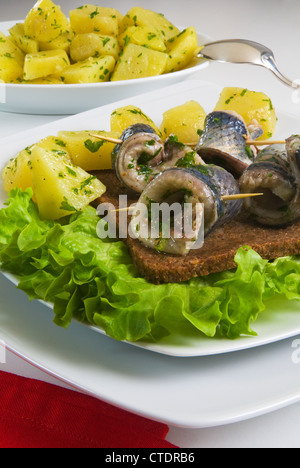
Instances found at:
x=94 y=281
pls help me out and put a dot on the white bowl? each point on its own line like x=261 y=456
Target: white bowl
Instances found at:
x=73 y=99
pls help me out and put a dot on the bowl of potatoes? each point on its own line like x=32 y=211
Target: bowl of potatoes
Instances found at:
x=51 y=63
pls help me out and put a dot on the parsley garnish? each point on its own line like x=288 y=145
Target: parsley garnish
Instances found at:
x=65 y=206
x=187 y=161
x=93 y=147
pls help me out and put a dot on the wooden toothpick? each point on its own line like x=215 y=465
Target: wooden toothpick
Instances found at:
x=116 y=141
x=239 y=196
x=264 y=142
x=236 y=196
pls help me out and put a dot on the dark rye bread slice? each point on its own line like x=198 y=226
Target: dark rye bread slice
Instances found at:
x=219 y=249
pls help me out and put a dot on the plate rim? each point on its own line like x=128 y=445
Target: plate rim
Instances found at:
x=197 y=420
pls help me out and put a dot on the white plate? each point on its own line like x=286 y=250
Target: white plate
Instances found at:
x=281 y=319
x=196 y=392
x=72 y=99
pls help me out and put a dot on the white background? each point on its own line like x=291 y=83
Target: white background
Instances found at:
x=274 y=23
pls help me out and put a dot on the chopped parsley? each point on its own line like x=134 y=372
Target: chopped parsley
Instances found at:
x=174 y=139
x=145 y=158
x=93 y=147
x=60 y=143
x=145 y=170
x=65 y=206
x=87 y=182
x=94 y=13
x=187 y=161
x=71 y=172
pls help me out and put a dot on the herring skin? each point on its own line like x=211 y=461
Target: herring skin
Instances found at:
x=223 y=142
x=275 y=173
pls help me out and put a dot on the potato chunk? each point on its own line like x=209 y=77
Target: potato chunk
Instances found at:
x=63 y=42
x=10 y=70
x=124 y=117
x=56 y=146
x=86 y=152
x=46 y=21
x=185 y=121
x=61 y=188
x=250 y=105
x=139 y=62
x=91 y=70
x=181 y=50
x=92 y=18
x=42 y=64
x=93 y=45
x=143 y=36
x=11 y=60
x=138 y=16
x=27 y=45
x=48 y=80
x=10 y=50
x=17 y=173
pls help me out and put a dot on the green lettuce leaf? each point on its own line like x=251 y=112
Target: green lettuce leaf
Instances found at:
x=94 y=281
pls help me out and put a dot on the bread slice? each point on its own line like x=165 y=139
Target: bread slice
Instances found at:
x=219 y=249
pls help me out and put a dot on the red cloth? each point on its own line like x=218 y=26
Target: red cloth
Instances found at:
x=35 y=414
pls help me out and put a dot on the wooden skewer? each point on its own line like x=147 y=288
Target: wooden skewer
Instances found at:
x=120 y=210
x=264 y=142
x=236 y=196
x=117 y=141
x=240 y=196
x=252 y=143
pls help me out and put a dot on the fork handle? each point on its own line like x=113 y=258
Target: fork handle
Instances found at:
x=269 y=61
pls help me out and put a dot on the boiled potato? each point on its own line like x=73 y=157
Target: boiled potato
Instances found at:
x=61 y=188
x=139 y=62
x=27 y=45
x=46 y=21
x=142 y=43
x=63 y=42
x=11 y=60
x=17 y=173
x=185 y=121
x=143 y=36
x=111 y=12
x=250 y=105
x=48 y=80
x=181 y=50
x=124 y=117
x=138 y=16
x=42 y=64
x=87 y=152
x=9 y=49
x=93 y=45
x=92 y=18
x=91 y=70
x=56 y=146
x=10 y=69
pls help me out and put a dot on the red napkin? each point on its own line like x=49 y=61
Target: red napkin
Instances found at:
x=35 y=414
